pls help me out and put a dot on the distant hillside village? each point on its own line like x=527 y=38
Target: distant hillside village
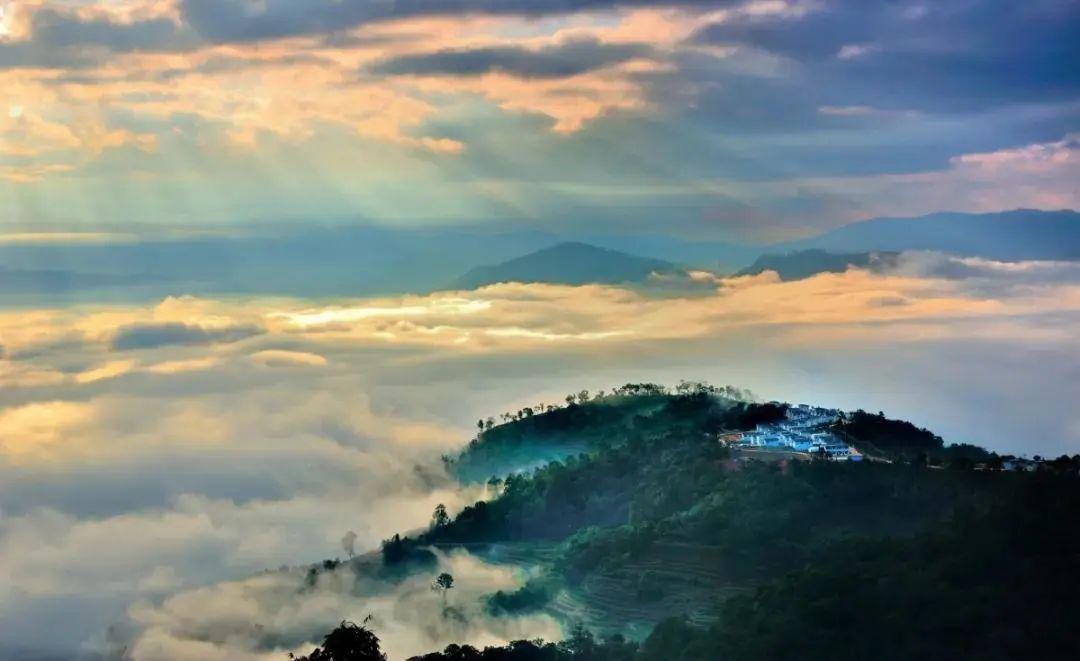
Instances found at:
x=770 y=431
x=814 y=432
x=806 y=429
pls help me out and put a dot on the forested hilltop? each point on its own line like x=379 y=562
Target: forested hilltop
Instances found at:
x=647 y=516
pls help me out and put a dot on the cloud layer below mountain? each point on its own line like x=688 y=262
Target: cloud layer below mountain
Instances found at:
x=133 y=473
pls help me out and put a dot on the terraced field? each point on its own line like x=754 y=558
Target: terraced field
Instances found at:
x=681 y=579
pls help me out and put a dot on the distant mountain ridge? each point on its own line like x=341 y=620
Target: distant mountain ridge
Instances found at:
x=805 y=263
x=1020 y=234
x=570 y=263
x=368 y=260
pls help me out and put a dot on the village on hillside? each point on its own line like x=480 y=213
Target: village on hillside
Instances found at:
x=810 y=431
x=805 y=430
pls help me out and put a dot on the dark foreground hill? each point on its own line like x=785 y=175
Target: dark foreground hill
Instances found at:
x=664 y=543
x=570 y=264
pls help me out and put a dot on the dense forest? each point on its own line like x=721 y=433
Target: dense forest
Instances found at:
x=930 y=551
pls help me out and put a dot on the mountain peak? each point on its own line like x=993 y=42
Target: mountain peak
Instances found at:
x=571 y=263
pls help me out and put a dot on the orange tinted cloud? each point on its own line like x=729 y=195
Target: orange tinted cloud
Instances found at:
x=40 y=429
x=290 y=87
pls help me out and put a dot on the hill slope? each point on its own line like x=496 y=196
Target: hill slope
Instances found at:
x=567 y=263
x=648 y=522
x=784 y=559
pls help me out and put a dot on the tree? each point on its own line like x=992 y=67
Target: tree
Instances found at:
x=394 y=550
x=439 y=517
x=580 y=642
x=442 y=583
x=348 y=642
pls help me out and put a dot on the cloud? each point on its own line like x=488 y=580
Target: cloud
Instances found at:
x=177 y=366
x=55 y=29
x=193 y=502
x=675 y=110
x=281 y=358
x=150 y=336
x=108 y=370
x=987 y=275
x=555 y=61
x=412 y=306
x=277 y=612
x=237 y=20
x=9 y=238
x=1047 y=158
x=50 y=35
x=1037 y=175
x=38 y=427
x=945 y=55
x=50 y=557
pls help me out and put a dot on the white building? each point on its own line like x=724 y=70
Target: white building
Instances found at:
x=801 y=432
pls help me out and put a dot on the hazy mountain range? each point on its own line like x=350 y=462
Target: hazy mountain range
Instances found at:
x=1008 y=236
x=369 y=260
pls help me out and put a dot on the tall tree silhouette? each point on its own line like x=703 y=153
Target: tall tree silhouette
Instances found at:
x=442 y=583
x=439 y=517
x=348 y=642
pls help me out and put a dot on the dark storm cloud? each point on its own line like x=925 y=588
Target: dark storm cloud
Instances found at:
x=149 y=336
x=951 y=55
x=54 y=29
x=61 y=40
x=947 y=55
x=558 y=61
x=819 y=34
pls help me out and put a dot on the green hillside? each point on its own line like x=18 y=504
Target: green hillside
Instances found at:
x=666 y=543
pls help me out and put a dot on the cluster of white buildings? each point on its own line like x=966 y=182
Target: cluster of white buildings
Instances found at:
x=806 y=429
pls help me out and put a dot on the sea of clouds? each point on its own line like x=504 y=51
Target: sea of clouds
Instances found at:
x=156 y=458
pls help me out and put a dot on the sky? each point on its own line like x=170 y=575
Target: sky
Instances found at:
x=165 y=443
x=753 y=120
